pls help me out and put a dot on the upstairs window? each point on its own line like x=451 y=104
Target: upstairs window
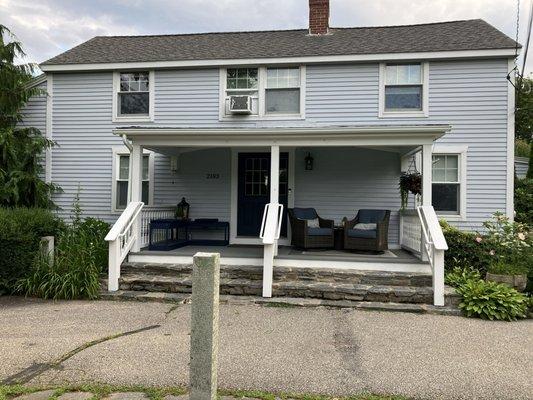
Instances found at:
x=403 y=90
x=274 y=93
x=282 y=93
x=133 y=98
x=446 y=191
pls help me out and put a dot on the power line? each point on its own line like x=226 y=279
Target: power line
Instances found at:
x=528 y=37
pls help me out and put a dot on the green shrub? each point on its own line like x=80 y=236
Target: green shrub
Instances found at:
x=505 y=268
x=490 y=300
x=523 y=201
x=522 y=148
x=80 y=257
x=464 y=248
x=20 y=232
x=459 y=276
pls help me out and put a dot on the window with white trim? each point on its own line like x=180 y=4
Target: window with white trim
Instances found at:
x=403 y=89
x=282 y=92
x=121 y=184
x=275 y=92
x=446 y=187
x=133 y=96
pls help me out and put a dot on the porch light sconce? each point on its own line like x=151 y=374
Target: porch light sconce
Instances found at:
x=309 y=162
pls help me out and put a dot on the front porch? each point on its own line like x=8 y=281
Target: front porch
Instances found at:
x=355 y=168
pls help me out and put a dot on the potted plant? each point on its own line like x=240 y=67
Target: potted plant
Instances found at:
x=511 y=251
x=410 y=182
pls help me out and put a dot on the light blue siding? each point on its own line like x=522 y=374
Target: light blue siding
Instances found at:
x=471 y=96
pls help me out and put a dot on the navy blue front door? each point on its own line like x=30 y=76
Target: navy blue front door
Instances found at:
x=254 y=191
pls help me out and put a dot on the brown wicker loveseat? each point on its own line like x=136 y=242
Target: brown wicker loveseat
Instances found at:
x=368 y=239
x=306 y=237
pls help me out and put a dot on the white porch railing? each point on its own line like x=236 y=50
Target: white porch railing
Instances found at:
x=422 y=231
x=269 y=233
x=154 y=212
x=121 y=238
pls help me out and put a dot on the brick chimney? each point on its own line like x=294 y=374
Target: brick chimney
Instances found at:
x=318 y=17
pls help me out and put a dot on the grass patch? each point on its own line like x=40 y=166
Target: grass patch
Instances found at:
x=100 y=391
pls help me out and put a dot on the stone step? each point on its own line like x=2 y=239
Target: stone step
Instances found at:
x=297 y=288
x=281 y=274
x=283 y=302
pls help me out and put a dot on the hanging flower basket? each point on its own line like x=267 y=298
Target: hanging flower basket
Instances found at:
x=410 y=182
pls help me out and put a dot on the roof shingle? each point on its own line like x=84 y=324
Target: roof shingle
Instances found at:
x=444 y=36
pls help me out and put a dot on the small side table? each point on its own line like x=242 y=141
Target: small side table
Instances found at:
x=338 y=238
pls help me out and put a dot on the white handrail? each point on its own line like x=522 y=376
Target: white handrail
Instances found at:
x=434 y=246
x=271 y=223
x=121 y=238
x=133 y=207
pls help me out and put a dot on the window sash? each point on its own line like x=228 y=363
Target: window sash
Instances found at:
x=420 y=94
x=453 y=170
x=242 y=78
x=403 y=74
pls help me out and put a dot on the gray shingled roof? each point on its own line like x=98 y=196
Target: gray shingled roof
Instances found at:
x=445 y=36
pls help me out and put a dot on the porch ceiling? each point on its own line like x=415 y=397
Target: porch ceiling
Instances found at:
x=382 y=135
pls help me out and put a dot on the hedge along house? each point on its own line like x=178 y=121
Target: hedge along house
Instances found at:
x=327 y=118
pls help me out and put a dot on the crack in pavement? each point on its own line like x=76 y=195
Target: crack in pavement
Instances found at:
x=37 y=369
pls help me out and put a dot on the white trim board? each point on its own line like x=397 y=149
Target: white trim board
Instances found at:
x=49 y=126
x=429 y=55
x=509 y=208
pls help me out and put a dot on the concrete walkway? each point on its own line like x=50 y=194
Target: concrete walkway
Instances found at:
x=303 y=350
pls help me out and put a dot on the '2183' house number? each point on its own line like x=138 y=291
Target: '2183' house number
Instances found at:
x=212 y=176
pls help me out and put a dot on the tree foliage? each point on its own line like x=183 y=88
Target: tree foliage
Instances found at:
x=21 y=147
x=524 y=109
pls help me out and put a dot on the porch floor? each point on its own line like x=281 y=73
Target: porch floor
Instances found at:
x=390 y=260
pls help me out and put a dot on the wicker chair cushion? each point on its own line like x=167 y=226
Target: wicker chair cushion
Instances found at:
x=319 y=231
x=305 y=213
x=371 y=216
x=362 y=233
x=366 y=227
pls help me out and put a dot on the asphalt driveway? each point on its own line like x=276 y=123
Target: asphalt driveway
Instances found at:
x=303 y=350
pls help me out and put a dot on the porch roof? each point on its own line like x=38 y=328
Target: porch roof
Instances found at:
x=331 y=135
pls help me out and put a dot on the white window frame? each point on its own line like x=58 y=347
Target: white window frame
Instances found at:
x=123 y=151
x=424 y=113
x=262 y=79
x=461 y=151
x=151 y=98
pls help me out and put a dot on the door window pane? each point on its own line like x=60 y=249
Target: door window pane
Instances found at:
x=285 y=101
x=403 y=97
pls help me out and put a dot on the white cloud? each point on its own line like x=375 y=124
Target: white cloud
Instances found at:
x=49 y=27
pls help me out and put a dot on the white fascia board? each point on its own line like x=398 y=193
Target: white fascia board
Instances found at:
x=429 y=55
x=341 y=136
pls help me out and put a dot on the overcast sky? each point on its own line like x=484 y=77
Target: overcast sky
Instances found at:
x=49 y=27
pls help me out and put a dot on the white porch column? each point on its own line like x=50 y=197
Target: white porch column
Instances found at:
x=427 y=168
x=426 y=173
x=136 y=168
x=270 y=250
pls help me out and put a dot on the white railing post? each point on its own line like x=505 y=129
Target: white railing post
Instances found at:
x=114 y=266
x=438 y=277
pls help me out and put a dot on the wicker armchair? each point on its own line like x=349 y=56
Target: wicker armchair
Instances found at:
x=305 y=237
x=368 y=239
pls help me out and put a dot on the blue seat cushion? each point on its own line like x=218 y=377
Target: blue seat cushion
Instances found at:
x=362 y=233
x=319 y=231
x=371 y=216
x=305 y=213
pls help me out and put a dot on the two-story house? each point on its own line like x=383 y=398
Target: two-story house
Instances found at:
x=324 y=118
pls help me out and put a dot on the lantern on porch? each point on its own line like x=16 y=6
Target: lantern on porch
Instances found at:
x=308 y=162
x=182 y=210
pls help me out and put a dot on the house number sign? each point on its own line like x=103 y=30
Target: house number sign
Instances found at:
x=212 y=176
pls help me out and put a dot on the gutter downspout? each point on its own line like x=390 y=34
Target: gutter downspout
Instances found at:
x=130 y=148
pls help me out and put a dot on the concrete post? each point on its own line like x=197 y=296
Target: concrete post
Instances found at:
x=204 y=326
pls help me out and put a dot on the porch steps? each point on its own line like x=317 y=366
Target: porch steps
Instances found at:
x=311 y=283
